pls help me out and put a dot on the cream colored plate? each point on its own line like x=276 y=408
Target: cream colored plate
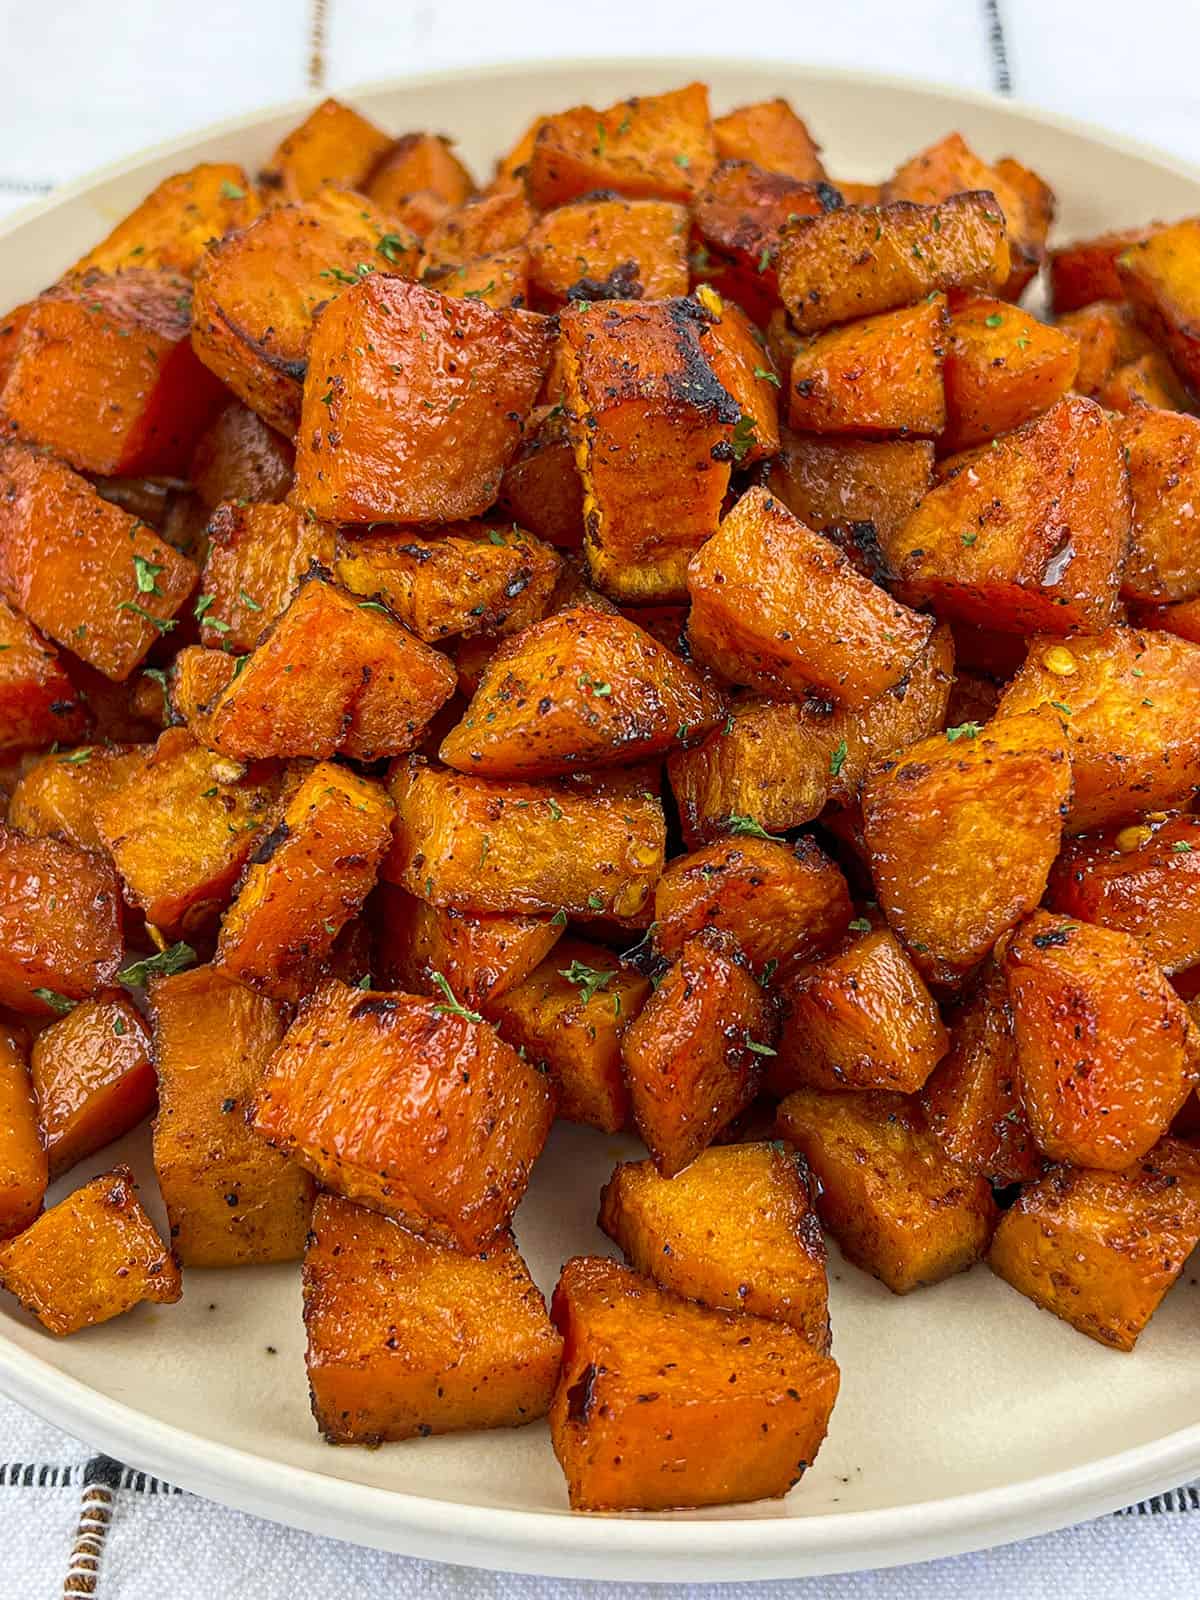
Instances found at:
x=966 y=1418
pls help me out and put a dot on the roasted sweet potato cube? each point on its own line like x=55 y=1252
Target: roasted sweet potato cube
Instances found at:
x=1085 y=270
x=1035 y=206
x=1101 y=1249
x=540 y=489
x=257 y=554
x=1162 y=457
x=172 y=228
x=1003 y=367
x=419 y=163
x=1160 y=275
x=776 y=606
x=198 y=678
x=481 y=957
x=739 y=218
x=581 y=689
x=500 y=280
x=420 y=425
x=743 y=368
x=694 y=1054
x=39 y=704
x=62 y=792
x=238 y=457
x=231 y=1200
x=23 y=1171
x=476 y=844
x=181 y=828
x=610 y=250
x=650 y=1380
x=770 y=134
x=1182 y=619
x=11 y=329
x=408 y=1338
x=860 y=260
x=1027 y=536
x=656 y=146
x=306 y=879
x=332 y=674
x=482 y=226
x=737 y=1230
x=1150 y=380
x=83 y=571
x=92 y=1257
x=827 y=481
x=93 y=1079
x=408 y=1106
x=1132 y=702
x=897 y=1205
x=333 y=145
x=1106 y=1054
x=60 y=923
x=1108 y=337
x=879 y=376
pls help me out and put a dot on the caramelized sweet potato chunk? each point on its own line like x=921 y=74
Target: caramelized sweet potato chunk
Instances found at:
x=91 y=1258
x=419 y=164
x=878 y=376
x=481 y=957
x=1162 y=457
x=407 y=1338
x=38 y=702
x=23 y=1170
x=770 y=134
x=93 y=1079
x=410 y=1107
x=1108 y=337
x=610 y=250
x=60 y=923
x=894 y=1201
x=739 y=218
x=1150 y=380
x=1003 y=367
x=62 y=793
x=1085 y=270
x=482 y=226
x=828 y=481
x=743 y=368
x=1160 y=275
x=197 y=680
x=1106 y=1054
x=238 y=457
x=656 y=146
x=257 y=554
x=333 y=145
x=650 y=1380
x=231 y=1199
x=540 y=489
x=172 y=228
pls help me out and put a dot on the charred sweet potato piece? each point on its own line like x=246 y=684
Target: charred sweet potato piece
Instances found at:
x=92 y=1257
x=1108 y=337
x=581 y=689
x=333 y=145
x=1085 y=270
x=256 y=556
x=181 y=828
x=540 y=489
x=332 y=674
x=305 y=881
x=1027 y=536
x=1162 y=457
x=610 y=250
x=481 y=957
x=23 y=1172
x=770 y=134
x=38 y=702
x=1106 y=1054
x=776 y=606
x=737 y=1230
x=1160 y=275
x=479 y=845
x=105 y=375
x=858 y=261
x=420 y=425
x=743 y=368
x=1003 y=367
x=419 y=163
x=239 y=458
x=1132 y=702
x=827 y=481
x=656 y=146
x=172 y=228
x=93 y=1079
x=649 y=1380
x=62 y=792
x=60 y=923
x=694 y=1054
x=408 y=1106
x=1101 y=1249
x=1150 y=380
x=739 y=218
x=894 y=1201
x=407 y=1338
x=878 y=376
x=231 y=1199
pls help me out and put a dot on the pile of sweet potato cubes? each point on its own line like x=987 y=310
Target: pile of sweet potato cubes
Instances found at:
x=662 y=641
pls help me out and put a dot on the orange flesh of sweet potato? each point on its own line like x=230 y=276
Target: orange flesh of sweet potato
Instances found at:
x=1150 y=380
x=1162 y=458
x=409 y=1108
x=93 y=1079
x=257 y=554
x=92 y=1257
x=60 y=923
x=877 y=376
x=1159 y=276
x=1003 y=367
x=540 y=489
x=481 y=957
x=1182 y=619
x=1085 y=271
x=826 y=480
x=38 y=702
x=770 y=134
x=333 y=145
x=1108 y=338
x=481 y=226
x=407 y=1338
x=656 y=146
x=743 y=368
x=171 y=229
x=649 y=1381
x=197 y=680
x=610 y=250
x=415 y=163
x=238 y=457
x=739 y=218
x=23 y=1168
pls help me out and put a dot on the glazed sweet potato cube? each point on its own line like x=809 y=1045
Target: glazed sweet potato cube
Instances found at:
x=475 y=844
x=879 y=376
x=610 y=250
x=333 y=145
x=409 y=1106
x=259 y=290
x=171 y=229
x=23 y=1169
x=737 y=1230
x=39 y=704
x=307 y=878
x=61 y=793
x=238 y=457
x=473 y=577
x=1150 y=380
x=93 y=1079
x=198 y=677
x=1162 y=457
x=540 y=489
x=776 y=606
x=231 y=1199
x=60 y=923
x=92 y=1257
x=972 y=1100
x=500 y=280
x=257 y=554
x=1106 y=1054
x=743 y=368
x=1085 y=270
x=420 y=425
x=581 y=689
x=1160 y=275
x=105 y=375
x=770 y=134
x=649 y=422
x=828 y=481
x=656 y=146
x=1181 y=619
x=1028 y=535
x=650 y=1380
x=333 y=674
x=858 y=261
x=962 y=830
x=1132 y=702
x=416 y=164
x=181 y=828
x=407 y=1338
x=694 y=1054
x=1108 y=337
x=1034 y=206
x=481 y=957
x=897 y=1205
x=481 y=226
x=11 y=329
x=1003 y=367
x=1101 y=1249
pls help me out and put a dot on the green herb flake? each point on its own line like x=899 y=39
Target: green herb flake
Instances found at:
x=451 y=1006
x=838 y=759
x=767 y=377
x=746 y=827
x=556 y=811
x=744 y=439
x=860 y=925
x=374 y=605
x=203 y=606
x=760 y=1049
x=248 y=601
x=118 y=1027
x=231 y=191
x=162 y=965
x=595 y=901
x=964 y=730
x=57 y=1002
x=76 y=758
x=146 y=573
x=160 y=624
x=390 y=246
x=559 y=919
x=968 y=538
x=994 y=320
x=1181 y=848
x=588 y=979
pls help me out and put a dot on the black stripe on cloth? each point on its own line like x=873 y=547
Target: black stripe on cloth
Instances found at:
x=998 y=46
x=67 y=1475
